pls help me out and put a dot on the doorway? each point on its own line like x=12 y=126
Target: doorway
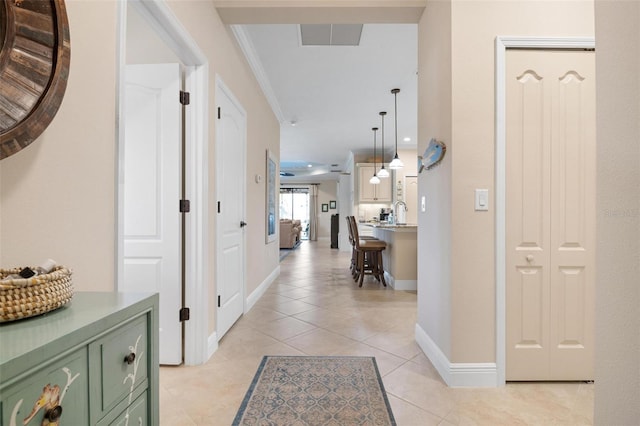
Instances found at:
x=294 y=205
x=171 y=39
x=152 y=170
x=545 y=206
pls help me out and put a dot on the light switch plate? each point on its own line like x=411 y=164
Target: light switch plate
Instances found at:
x=482 y=199
x=423 y=204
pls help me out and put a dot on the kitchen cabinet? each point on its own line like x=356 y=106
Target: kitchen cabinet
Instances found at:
x=370 y=193
x=91 y=362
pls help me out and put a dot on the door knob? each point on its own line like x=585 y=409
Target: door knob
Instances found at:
x=53 y=414
x=529 y=258
x=243 y=224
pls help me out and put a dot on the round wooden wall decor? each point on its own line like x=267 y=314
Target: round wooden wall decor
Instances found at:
x=34 y=68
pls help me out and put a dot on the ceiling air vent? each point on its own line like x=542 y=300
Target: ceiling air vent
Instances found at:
x=330 y=34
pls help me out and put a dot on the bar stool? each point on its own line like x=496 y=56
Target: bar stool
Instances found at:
x=368 y=256
x=351 y=223
x=352 y=266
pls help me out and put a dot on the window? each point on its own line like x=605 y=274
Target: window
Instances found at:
x=294 y=204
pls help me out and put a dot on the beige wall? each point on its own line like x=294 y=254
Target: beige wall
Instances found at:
x=263 y=132
x=434 y=225
x=144 y=45
x=57 y=196
x=475 y=26
x=327 y=191
x=409 y=158
x=470 y=162
x=617 y=398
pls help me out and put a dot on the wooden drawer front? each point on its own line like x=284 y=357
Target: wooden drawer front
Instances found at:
x=114 y=379
x=135 y=414
x=64 y=383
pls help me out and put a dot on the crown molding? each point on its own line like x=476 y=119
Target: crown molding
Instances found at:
x=258 y=71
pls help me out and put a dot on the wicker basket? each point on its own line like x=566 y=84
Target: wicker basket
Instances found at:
x=26 y=297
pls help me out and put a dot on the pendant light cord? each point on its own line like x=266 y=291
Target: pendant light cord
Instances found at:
x=374 y=179
x=396 y=163
x=383 y=172
x=395 y=116
x=374 y=150
x=382 y=114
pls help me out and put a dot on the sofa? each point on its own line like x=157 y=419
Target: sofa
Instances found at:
x=289 y=233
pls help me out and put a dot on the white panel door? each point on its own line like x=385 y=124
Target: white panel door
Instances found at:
x=230 y=176
x=152 y=182
x=550 y=215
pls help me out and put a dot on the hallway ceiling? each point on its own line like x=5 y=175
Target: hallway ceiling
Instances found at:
x=327 y=98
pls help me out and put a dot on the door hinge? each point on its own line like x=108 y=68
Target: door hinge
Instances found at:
x=185 y=206
x=218 y=301
x=185 y=98
x=218 y=113
x=218 y=206
x=184 y=314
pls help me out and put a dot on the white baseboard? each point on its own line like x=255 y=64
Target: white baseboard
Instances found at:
x=212 y=341
x=457 y=375
x=258 y=292
x=212 y=345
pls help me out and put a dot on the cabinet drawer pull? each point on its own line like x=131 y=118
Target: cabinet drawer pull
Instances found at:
x=130 y=358
x=53 y=414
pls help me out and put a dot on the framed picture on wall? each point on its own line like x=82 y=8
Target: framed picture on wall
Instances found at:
x=332 y=204
x=271 y=198
x=325 y=208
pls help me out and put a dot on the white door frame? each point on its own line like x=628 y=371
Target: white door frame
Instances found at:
x=172 y=32
x=502 y=44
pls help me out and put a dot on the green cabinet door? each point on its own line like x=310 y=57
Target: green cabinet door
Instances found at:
x=120 y=364
x=134 y=415
x=59 y=390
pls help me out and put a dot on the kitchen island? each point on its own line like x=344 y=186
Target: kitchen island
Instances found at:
x=400 y=258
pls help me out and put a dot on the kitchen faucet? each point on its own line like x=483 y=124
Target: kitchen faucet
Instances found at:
x=402 y=203
x=400 y=214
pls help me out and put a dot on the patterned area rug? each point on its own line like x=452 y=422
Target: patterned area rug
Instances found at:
x=316 y=390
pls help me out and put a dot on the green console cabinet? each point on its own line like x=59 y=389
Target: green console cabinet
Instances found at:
x=91 y=362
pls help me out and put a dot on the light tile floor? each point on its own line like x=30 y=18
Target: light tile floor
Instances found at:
x=315 y=308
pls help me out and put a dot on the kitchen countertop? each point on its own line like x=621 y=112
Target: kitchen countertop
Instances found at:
x=392 y=227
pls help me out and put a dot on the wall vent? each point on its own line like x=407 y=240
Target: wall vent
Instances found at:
x=330 y=34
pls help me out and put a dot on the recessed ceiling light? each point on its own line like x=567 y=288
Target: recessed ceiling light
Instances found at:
x=407 y=139
x=309 y=165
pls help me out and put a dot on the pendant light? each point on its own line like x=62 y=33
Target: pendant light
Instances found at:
x=396 y=163
x=374 y=179
x=383 y=173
